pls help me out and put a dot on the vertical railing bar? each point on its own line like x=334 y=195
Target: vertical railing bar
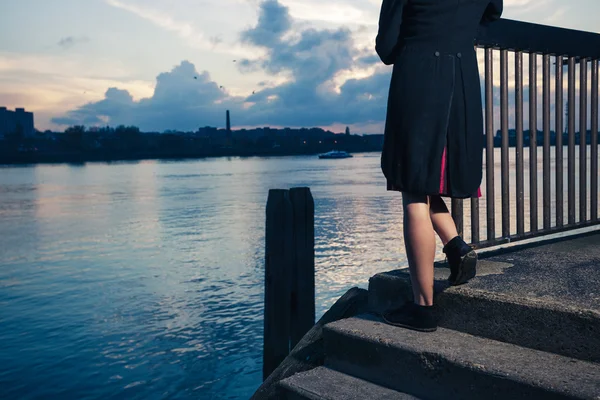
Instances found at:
x=533 y=141
x=489 y=131
x=546 y=149
x=475 y=236
x=504 y=146
x=583 y=91
x=571 y=148
x=559 y=141
x=519 y=147
x=458 y=215
x=594 y=144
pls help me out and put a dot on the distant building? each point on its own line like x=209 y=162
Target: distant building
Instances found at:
x=18 y=121
x=228 y=137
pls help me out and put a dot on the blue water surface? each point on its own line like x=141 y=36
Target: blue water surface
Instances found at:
x=145 y=279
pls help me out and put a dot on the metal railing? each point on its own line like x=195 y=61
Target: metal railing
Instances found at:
x=576 y=50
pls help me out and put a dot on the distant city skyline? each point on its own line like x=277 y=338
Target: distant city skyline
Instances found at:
x=17 y=121
x=273 y=63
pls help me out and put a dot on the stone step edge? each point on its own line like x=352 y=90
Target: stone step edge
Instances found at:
x=533 y=323
x=325 y=383
x=445 y=363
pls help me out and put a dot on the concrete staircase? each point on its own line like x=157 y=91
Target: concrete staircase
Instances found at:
x=489 y=345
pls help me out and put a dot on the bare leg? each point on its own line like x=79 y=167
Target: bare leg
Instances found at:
x=441 y=219
x=419 y=239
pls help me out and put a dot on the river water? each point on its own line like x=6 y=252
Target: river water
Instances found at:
x=144 y=280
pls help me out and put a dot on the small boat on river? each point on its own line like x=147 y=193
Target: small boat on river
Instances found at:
x=335 y=154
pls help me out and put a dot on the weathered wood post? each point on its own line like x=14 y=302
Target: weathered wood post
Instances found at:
x=278 y=261
x=289 y=273
x=302 y=312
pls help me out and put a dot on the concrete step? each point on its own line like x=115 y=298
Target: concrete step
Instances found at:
x=449 y=364
x=326 y=384
x=533 y=322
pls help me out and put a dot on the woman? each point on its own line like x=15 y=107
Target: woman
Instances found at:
x=433 y=144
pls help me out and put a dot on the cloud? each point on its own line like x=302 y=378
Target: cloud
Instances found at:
x=184 y=29
x=309 y=59
x=318 y=77
x=176 y=18
x=273 y=22
x=182 y=98
x=70 y=41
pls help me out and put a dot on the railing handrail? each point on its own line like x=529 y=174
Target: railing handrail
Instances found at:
x=540 y=39
x=569 y=51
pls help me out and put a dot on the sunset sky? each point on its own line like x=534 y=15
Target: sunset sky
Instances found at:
x=180 y=64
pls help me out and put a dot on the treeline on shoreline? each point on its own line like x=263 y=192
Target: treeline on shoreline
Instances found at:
x=80 y=144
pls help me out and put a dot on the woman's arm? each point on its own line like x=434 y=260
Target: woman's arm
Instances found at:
x=390 y=19
x=492 y=12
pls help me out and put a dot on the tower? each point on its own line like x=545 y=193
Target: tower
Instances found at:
x=228 y=123
x=228 y=139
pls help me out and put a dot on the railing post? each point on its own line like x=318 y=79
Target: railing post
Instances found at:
x=583 y=94
x=289 y=273
x=519 y=155
x=302 y=316
x=278 y=261
x=571 y=148
x=547 y=203
x=489 y=152
x=504 y=156
x=457 y=211
x=594 y=143
x=559 y=128
x=533 y=203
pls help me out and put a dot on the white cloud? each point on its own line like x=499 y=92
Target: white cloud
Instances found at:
x=176 y=20
x=313 y=60
x=331 y=12
x=183 y=29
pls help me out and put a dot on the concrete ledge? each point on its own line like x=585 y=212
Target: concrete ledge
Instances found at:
x=528 y=322
x=450 y=364
x=324 y=383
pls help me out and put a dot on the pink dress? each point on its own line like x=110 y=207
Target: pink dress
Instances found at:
x=444 y=185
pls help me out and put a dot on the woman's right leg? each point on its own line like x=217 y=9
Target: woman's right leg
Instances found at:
x=442 y=221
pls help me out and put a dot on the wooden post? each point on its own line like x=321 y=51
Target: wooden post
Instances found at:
x=302 y=306
x=310 y=352
x=278 y=265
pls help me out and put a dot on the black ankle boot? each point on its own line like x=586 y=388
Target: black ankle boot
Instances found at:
x=462 y=260
x=412 y=316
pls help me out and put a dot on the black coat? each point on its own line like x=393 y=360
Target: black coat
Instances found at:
x=434 y=101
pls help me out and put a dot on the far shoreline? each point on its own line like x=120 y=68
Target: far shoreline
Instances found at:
x=33 y=158
x=27 y=159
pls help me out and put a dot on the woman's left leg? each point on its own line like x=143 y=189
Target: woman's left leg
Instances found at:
x=419 y=240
